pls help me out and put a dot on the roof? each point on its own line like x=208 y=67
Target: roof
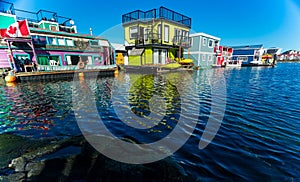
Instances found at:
x=118 y=47
x=204 y=35
x=290 y=51
x=259 y=46
x=88 y=36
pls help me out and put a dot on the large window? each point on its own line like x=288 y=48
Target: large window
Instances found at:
x=133 y=31
x=69 y=42
x=166 y=33
x=61 y=41
x=52 y=40
x=210 y=43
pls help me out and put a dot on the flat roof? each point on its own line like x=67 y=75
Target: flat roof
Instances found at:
x=205 y=35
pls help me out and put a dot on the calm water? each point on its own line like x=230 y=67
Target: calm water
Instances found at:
x=259 y=137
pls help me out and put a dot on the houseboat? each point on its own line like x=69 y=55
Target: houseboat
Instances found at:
x=250 y=55
x=202 y=50
x=51 y=43
x=290 y=55
x=155 y=37
x=223 y=56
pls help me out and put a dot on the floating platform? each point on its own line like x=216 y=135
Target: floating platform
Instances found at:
x=63 y=74
x=150 y=69
x=258 y=65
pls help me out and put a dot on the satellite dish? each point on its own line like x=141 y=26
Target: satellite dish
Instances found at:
x=72 y=22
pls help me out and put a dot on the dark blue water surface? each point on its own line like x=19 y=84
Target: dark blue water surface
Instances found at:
x=258 y=140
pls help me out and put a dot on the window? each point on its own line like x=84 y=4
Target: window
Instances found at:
x=94 y=43
x=209 y=58
x=35 y=40
x=217 y=43
x=53 y=28
x=159 y=31
x=70 y=42
x=52 y=40
x=166 y=33
x=42 y=40
x=61 y=41
x=204 y=41
x=146 y=33
x=203 y=57
x=244 y=59
x=133 y=31
x=210 y=43
x=177 y=35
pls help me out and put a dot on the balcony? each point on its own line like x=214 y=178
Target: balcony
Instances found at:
x=148 y=39
x=162 y=12
x=7 y=7
x=182 y=41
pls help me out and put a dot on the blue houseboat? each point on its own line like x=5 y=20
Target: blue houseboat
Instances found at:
x=202 y=49
x=248 y=54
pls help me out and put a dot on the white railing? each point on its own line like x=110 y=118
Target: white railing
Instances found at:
x=72 y=67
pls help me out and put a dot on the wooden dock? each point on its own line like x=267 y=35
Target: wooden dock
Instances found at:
x=152 y=69
x=63 y=74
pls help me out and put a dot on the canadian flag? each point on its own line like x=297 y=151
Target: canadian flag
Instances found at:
x=17 y=29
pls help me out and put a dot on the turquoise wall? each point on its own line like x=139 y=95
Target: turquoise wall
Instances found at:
x=195 y=45
x=6 y=21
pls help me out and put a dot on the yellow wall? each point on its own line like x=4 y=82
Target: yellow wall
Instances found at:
x=134 y=60
x=148 y=56
x=171 y=25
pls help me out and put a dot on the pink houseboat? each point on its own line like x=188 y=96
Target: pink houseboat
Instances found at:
x=45 y=41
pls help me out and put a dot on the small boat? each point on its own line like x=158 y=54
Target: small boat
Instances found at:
x=256 y=62
x=233 y=63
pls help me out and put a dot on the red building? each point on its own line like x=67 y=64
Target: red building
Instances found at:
x=224 y=54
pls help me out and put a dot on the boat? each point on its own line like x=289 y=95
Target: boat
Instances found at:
x=256 y=62
x=50 y=43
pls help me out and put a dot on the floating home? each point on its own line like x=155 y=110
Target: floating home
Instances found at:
x=290 y=55
x=155 y=37
x=202 y=49
x=248 y=54
x=53 y=43
x=223 y=55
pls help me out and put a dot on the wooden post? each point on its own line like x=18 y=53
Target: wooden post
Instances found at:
x=12 y=64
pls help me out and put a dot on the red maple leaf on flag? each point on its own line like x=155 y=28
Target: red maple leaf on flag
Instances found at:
x=12 y=30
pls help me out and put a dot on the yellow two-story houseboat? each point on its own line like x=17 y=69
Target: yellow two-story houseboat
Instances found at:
x=155 y=37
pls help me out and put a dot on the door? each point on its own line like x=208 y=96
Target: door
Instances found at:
x=155 y=56
x=163 y=56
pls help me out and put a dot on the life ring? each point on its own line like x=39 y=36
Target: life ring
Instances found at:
x=80 y=64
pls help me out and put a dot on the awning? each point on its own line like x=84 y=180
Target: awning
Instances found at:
x=136 y=52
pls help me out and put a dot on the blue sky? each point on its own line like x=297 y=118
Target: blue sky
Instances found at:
x=274 y=23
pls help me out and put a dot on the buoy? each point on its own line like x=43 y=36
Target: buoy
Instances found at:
x=11 y=84
x=80 y=64
x=116 y=73
x=10 y=79
x=81 y=76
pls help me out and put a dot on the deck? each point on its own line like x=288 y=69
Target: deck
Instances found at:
x=63 y=74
